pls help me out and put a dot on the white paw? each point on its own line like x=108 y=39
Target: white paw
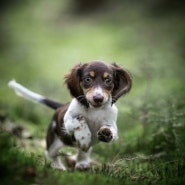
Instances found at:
x=58 y=165
x=82 y=166
x=56 y=162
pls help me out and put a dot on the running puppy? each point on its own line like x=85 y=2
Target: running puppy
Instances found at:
x=91 y=115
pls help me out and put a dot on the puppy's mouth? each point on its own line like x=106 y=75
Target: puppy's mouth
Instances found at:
x=97 y=101
x=96 y=105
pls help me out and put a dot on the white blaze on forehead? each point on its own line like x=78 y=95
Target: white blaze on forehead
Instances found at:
x=98 y=91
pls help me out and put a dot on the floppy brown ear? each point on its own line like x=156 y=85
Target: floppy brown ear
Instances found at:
x=72 y=80
x=122 y=82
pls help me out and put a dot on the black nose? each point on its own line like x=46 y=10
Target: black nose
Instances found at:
x=98 y=99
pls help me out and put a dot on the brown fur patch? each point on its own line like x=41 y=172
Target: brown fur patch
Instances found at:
x=105 y=75
x=92 y=74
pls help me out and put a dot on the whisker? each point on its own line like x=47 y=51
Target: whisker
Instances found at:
x=81 y=97
x=114 y=99
x=63 y=129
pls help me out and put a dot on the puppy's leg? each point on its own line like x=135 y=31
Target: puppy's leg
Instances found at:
x=82 y=134
x=54 y=144
x=83 y=160
x=78 y=126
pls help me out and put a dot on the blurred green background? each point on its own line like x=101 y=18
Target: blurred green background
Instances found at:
x=40 y=41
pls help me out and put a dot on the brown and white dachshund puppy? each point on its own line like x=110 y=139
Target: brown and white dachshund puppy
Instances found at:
x=91 y=115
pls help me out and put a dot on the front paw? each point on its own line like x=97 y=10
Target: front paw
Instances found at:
x=105 y=135
x=82 y=166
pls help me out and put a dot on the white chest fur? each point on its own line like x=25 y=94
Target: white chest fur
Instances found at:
x=95 y=117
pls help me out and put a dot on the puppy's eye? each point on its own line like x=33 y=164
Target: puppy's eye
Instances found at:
x=108 y=81
x=88 y=81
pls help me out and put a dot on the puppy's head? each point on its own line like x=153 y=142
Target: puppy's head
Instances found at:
x=96 y=83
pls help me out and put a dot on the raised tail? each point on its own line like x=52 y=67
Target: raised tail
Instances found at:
x=32 y=96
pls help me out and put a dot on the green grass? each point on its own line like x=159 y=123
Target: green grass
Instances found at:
x=43 y=40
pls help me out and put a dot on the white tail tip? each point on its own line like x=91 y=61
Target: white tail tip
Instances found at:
x=24 y=92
